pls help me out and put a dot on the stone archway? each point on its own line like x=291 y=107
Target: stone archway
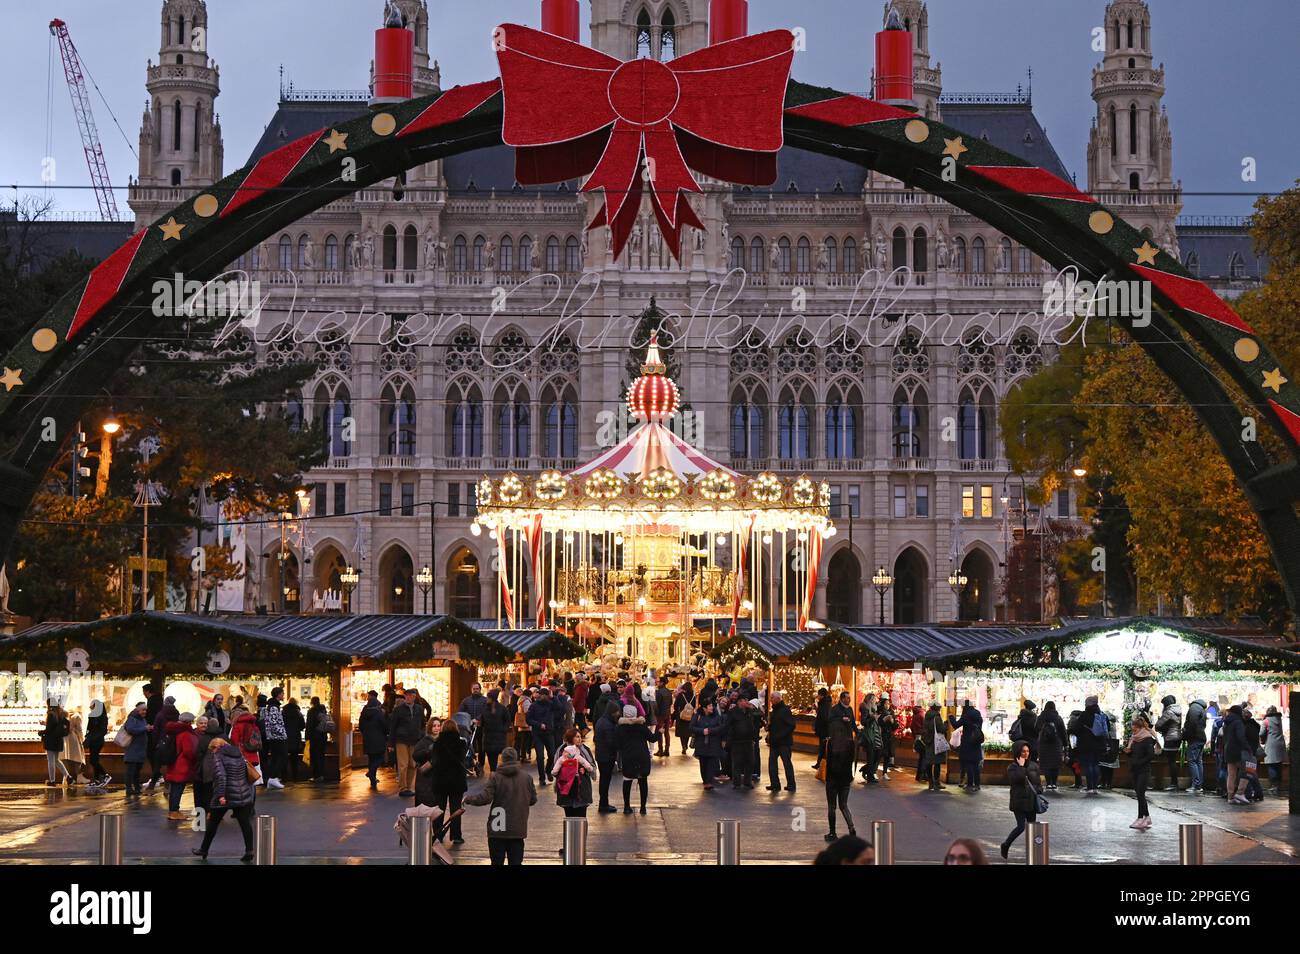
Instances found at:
x=395 y=587
x=911 y=588
x=844 y=588
x=464 y=592
x=94 y=328
x=977 y=596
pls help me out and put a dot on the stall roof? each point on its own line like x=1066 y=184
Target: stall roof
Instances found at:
x=772 y=645
x=384 y=637
x=902 y=646
x=1012 y=648
x=111 y=628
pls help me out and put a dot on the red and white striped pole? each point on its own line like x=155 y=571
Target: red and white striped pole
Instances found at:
x=728 y=20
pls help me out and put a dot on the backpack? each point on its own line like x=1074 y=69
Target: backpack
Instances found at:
x=167 y=749
x=1101 y=726
x=1049 y=732
x=687 y=713
x=254 y=742
x=1016 y=732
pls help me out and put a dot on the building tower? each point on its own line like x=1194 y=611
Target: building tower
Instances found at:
x=180 y=135
x=1130 y=149
x=659 y=29
x=927 y=80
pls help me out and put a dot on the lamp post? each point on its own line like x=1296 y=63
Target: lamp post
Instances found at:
x=424 y=579
x=957 y=580
x=110 y=428
x=882 y=581
x=349 y=579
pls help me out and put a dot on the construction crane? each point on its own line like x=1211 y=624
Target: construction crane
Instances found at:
x=75 y=74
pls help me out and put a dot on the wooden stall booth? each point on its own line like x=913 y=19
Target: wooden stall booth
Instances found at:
x=192 y=658
x=770 y=653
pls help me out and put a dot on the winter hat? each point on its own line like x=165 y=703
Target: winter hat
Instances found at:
x=1029 y=704
x=170 y=700
x=1272 y=711
x=1168 y=701
x=604 y=687
x=509 y=756
x=493 y=693
x=629 y=712
x=187 y=716
x=1090 y=701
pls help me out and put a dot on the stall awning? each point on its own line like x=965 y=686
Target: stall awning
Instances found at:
x=899 y=647
x=771 y=647
x=171 y=640
x=389 y=637
x=1048 y=647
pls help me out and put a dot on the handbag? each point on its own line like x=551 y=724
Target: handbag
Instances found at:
x=1040 y=803
x=254 y=776
x=940 y=742
x=123 y=738
x=821 y=769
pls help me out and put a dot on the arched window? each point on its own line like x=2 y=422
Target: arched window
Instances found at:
x=920 y=254
x=302 y=251
x=850 y=257
x=794 y=425
x=1130 y=34
x=1026 y=263
x=459 y=254
x=397 y=417
x=513 y=423
x=643 y=50
x=506 y=254
x=832 y=254
x=465 y=423
x=176 y=177
x=959 y=253
x=757 y=256
x=331 y=253
x=286 y=253
x=572 y=255
x=560 y=431
x=336 y=405
x=977 y=263
x=390 y=249
x=1193 y=264
x=476 y=261
x=552 y=254
x=900 y=248
x=974 y=420
x=410 y=249
x=176 y=126
x=198 y=115
x=465 y=594
x=1236 y=266
x=803 y=259
x=1004 y=254
x=842 y=425
x=526 y=254
x=910 y=421
x=1132 y=129
x=1114 y=131
x=783 y=250
x=1134 y=181
x=748 y=425
x=349 y=244
x=295 y=415
x=737 y=253
x=667 y=36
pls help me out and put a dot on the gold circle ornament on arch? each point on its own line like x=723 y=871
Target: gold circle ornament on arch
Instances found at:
x=383 y=124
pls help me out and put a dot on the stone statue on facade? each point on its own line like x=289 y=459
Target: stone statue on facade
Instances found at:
x=774 y=257
x=635 y=242
x=882 y=251
x=490 y=255
x=430 y=248
x=823 y=257
x=308 y=254
x=941 y=250
x=368 y=250
x=354 y=254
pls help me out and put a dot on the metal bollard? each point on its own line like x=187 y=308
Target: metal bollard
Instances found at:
x=110 y=839
x=420 y=840
x=264 y=853
x=882 y=838
x=1040 y=844
x=728 y=842
x=575 y=841
x=1191 y=844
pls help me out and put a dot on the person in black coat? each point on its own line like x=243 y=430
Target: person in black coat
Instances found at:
x=442 y=760
x=632 y=737
x=494 y=723
x=742 y=733
x=685 y=696
x=1051 y=743
x=316 y=729
x=1090 y=746
x=970 y=752
x=52 y=736
x=606 y=740
x=294 y=724
x=96 y=730
x=821 y=722
x=840 y=741
x=373 y=724
x=1024 y=784
x=780 y=743
x=888 y=727
x=1027 y=722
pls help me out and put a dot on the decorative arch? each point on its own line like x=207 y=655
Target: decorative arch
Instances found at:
x=94 y=328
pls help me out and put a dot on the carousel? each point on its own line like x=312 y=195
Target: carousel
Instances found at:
x=652 y=547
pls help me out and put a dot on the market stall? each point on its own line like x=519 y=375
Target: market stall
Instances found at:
x=110 y=660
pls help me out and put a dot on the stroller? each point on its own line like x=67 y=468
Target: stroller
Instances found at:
x=468 y=732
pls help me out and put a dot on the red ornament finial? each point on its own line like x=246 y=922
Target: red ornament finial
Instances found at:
x=653 y=396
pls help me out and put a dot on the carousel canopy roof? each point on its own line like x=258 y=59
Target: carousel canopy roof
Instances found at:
x=648 y=448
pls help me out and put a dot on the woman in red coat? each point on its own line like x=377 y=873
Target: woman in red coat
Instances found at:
x=185 y=766
x=245 y=734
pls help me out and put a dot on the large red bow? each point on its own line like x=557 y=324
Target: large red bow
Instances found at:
x=571 y=110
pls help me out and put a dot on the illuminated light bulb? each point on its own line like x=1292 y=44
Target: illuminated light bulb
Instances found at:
x=475 y=529
x=767 y=538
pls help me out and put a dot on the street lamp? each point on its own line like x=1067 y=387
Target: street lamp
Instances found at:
x=958 y=580
x=882 y=581
x=424 y=579
x=349 y=579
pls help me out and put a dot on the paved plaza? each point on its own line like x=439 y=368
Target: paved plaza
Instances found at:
x=347 y=824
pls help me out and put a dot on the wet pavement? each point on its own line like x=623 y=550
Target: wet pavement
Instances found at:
x=347 y=824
